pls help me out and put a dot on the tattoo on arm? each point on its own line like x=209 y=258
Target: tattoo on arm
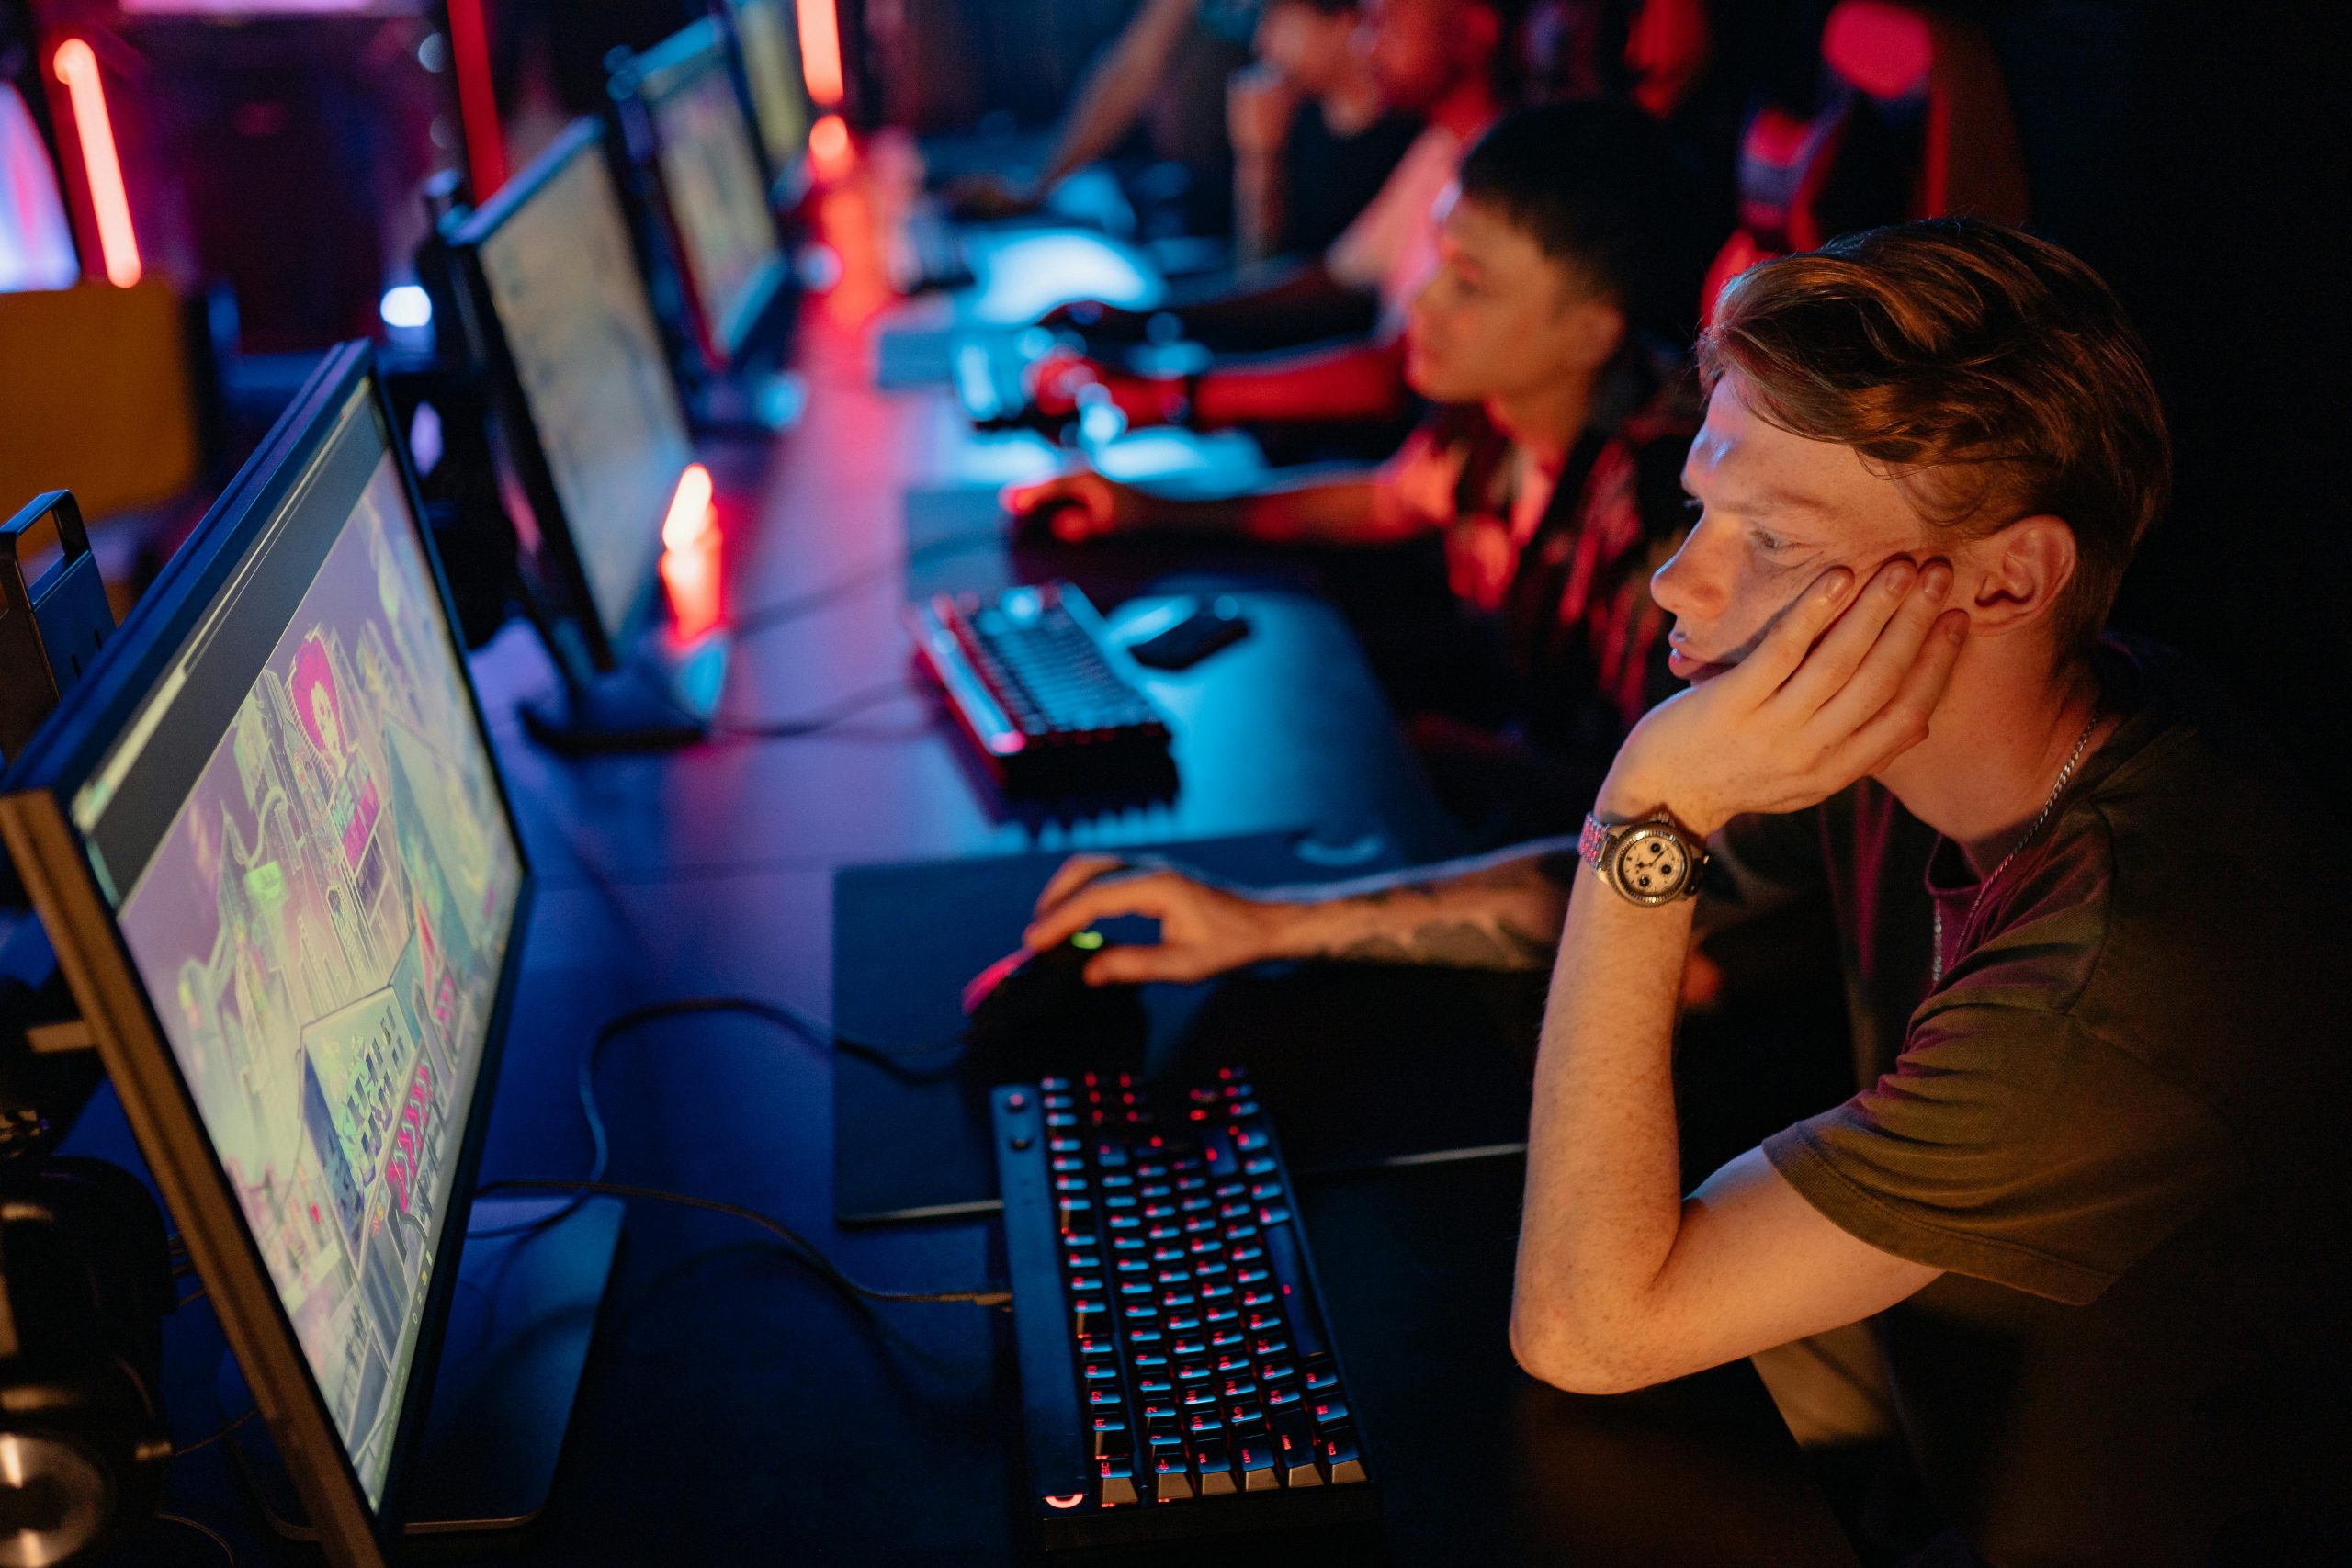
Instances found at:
x=1500 y=917
x=1457 y=944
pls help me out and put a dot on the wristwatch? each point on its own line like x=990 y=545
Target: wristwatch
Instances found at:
x=1648 y=863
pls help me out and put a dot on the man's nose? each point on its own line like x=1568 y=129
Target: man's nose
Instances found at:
x=1695 y=584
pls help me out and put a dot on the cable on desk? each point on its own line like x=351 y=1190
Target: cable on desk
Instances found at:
x=729 y=727
x=807 y=1249
x=200 y=1528
x=207 y=1442
x=807 y=1026
x=753 y=622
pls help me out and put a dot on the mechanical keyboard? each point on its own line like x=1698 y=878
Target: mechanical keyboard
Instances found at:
x=1052 y=703
x=1177 y=1375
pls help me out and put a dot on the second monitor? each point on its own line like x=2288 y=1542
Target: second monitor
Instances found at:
x=594 y=442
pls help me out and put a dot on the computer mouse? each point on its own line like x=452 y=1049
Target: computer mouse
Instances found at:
x=1042 y=523
x=1032 y=1014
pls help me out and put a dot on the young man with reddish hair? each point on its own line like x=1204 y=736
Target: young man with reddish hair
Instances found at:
x=2083 y=1233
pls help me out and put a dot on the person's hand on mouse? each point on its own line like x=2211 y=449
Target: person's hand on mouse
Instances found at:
x=1097 y=321
x=1058 y=383
x=1203 y=929
x=1842 y=682
x=1079 y=506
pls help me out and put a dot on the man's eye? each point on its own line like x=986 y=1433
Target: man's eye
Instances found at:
x=1769 y=544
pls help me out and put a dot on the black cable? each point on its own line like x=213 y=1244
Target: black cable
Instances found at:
x=207 y=1442
x=807 y=1249
x=753 y=621
x=809 y=1027
x=729 y=727
x=200 y=1528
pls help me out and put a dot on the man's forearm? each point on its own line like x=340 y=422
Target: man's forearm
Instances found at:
x=1603 y=1203
x=1366 y=381
x=1111 y=97
x=1496 y=912
x=1278 y=302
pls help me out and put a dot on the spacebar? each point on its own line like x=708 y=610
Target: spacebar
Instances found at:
x=1306 y=1313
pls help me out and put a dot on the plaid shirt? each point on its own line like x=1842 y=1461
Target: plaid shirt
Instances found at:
x=1562 y=562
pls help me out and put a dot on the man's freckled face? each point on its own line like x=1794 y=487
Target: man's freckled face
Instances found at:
x=1773 y=512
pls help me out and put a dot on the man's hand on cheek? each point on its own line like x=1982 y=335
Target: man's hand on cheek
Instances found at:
x=1842 y=684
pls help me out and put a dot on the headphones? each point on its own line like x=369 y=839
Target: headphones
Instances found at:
x=84 y=1283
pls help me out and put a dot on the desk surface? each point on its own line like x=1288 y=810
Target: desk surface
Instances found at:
x=735 y=1410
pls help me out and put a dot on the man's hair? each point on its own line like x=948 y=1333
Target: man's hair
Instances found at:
x=1598 y=185
x=1993 y=372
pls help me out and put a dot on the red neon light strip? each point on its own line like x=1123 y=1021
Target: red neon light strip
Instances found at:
x=77 y=67
x=820 y=50
x=476 y=102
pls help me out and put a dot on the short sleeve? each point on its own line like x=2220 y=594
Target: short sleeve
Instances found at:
x=2014 y=1146
x=1416 y=487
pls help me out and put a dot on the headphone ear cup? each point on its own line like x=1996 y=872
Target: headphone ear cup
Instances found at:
x=83 y=1442
x=123 y=1236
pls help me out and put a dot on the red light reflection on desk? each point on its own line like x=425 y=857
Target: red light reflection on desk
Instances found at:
x=690 y=575
x=690 y=555
x=690 y=510
x=829 y=149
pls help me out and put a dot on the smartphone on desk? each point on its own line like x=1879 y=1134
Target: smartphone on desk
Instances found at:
x=1192 y=629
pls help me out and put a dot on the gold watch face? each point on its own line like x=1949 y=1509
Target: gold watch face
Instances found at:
x=1652 y=865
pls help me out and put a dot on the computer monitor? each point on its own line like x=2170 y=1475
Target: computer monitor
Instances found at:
x=269 y=843
x=765 y=37
x=680 y=98
x=592 y=436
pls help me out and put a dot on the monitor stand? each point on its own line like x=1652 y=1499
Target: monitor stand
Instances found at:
x=660 y=698
x=519 y=1326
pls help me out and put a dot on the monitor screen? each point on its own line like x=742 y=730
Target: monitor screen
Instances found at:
x=717 y=199
x=772 y=64
x=571 y=305
x=302 y=834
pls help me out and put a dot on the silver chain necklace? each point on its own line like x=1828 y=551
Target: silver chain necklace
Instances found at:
x=1936 y=976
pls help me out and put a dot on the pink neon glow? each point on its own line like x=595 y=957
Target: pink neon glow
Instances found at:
x=77 y=67
x=820 y=50
x=689 y=517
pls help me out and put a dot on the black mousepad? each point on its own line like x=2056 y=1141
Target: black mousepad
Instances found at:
x=1360 y=1065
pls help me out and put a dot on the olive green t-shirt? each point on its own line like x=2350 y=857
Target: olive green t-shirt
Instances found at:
x=2119 y=1125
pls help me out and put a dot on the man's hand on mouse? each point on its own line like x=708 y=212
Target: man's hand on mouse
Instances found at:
x=1059 y=380
x=1203 y=929
x=1842 y=683
x=1076 y=507
x=1098 y=321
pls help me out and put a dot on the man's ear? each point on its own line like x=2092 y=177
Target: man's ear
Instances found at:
x=2027 y=568
x=1597 y=330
